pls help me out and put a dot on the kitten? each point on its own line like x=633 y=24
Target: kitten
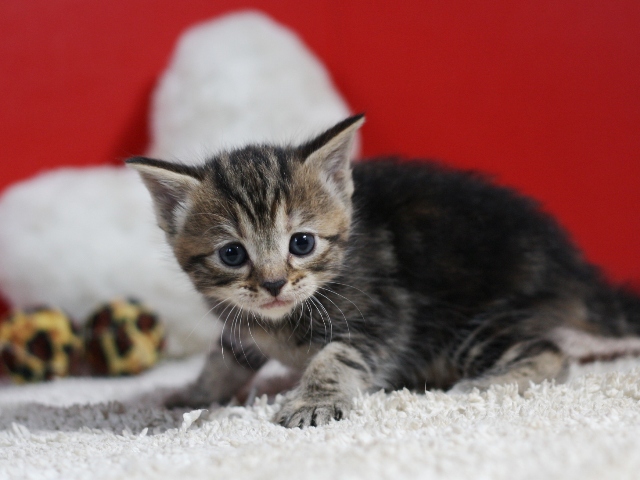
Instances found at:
x=377 y=275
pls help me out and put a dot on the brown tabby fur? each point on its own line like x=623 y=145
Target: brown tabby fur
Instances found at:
x=420 y=277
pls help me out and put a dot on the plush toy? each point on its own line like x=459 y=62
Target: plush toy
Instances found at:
x=123 y=337
x=39 y=344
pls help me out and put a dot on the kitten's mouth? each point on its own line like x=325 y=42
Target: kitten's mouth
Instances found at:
x=276 y=304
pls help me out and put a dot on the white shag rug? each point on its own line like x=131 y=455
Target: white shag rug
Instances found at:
x=588 y=428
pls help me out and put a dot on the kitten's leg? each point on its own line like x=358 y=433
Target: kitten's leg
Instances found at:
x=327 y=387
x=225 y=372
x=525 y=362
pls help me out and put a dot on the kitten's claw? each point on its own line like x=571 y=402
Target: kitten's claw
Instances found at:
x=301 y=414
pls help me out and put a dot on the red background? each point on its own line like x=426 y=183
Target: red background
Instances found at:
x=543 y=94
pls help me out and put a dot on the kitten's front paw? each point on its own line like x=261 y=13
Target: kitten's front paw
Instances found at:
x=308 y=413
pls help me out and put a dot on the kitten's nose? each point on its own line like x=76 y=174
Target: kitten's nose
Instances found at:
x=274 y=287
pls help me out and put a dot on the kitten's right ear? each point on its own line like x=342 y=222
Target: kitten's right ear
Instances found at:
x=170 y=185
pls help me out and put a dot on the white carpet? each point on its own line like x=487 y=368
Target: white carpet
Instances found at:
x=588 y=428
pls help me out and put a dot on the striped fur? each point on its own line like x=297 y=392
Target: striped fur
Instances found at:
x=421 y=276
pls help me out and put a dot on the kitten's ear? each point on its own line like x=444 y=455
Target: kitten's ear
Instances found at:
x=330 y=152
x=170 y=185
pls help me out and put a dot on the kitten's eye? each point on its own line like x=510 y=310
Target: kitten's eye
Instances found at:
x=301 y=243
x=233 y=255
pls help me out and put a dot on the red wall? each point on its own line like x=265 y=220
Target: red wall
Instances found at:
x=544 y=94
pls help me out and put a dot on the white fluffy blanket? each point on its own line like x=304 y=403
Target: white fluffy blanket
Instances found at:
x=588 y=428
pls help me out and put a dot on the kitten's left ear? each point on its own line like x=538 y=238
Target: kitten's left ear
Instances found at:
x=330 y=152
x=170 y=185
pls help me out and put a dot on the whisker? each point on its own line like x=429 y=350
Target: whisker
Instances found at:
x=351 y=286
x=310 y=330
x=299 y=319
x=318 y=302
x=342 y=296
x=265 y=327
x=233 y=325
x=240 y=337
x=341 y=312
x=203 y=316
x=222 y=332
x=252 y=337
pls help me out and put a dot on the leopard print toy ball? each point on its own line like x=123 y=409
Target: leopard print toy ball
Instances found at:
x=39 y=344
x=123 y=337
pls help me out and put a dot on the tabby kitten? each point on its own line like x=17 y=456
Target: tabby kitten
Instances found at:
x=382 y=274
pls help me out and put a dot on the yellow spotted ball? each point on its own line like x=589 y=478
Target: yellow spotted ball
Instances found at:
x=39 y=344
x=123 y=337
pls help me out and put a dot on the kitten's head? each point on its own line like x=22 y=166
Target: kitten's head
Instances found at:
x=261 y=227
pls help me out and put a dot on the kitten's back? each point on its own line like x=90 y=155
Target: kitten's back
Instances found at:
x=457 y=232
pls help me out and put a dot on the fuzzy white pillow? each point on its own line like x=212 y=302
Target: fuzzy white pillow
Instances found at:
x=238 y=79
x=75 y=238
